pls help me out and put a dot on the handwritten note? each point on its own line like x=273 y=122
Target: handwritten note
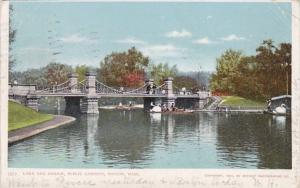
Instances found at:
x=86 y=179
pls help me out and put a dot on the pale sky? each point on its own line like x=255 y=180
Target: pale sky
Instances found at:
x=189 y=35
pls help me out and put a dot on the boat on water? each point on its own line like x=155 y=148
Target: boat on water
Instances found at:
x=156 y=109
x=280 y=109
x=159 y=109
x=280 y=105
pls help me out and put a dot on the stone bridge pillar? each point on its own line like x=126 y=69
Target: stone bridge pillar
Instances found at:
x=90 y=101
x=202 y=100
x=73 y=84
x=200 y=104
x=90 y=83
x=169 y=99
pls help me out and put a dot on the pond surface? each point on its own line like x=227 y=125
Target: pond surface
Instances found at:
x=134 y=139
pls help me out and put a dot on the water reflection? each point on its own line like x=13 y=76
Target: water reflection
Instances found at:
x=91 y=134
x=279 y=121
x=247 y=141
x=155 y=118
x=123 y=138
x=134 y=139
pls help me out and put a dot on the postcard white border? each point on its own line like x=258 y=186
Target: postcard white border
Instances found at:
x=150 y=177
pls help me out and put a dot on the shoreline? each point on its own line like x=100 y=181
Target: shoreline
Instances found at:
x=27 y=132
x=223 y=111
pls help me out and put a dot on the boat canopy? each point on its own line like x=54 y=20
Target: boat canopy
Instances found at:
x=281 y=97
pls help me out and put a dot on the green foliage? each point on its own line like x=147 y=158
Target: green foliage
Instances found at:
x=20 y=116
x=262 y=76
x=227 y=69
x=124 y=69
x=186 y=82
x=81 y=70
x=57 y=73
x=161 y=71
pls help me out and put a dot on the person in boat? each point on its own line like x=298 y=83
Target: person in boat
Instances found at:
x=173 y=107
x=164 y=108
x=269 y=105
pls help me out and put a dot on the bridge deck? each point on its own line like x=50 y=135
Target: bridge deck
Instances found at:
x=121 y=95
x=133 y=95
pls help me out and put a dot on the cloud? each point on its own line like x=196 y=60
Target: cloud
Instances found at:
x=209 y=17
x=165 y=50
x=130 y=40
x=179 y=34
x=232 y=37
x=75 y=38
x=204 y=40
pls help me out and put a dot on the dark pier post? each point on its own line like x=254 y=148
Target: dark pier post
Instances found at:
x=147 y=103
x=90 y=101
x=32 y=101
x=73 y=102
x=73 y=84
x=72 y=105
x=150 y=90
x=169 y=100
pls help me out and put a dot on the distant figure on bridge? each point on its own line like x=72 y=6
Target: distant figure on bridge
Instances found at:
x=122 y=89
x=151 y=89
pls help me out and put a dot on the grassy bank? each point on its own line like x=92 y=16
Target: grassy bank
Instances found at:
x=235 y=101
x=20 y=116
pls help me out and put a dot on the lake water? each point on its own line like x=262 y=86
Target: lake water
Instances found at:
x=134 y=139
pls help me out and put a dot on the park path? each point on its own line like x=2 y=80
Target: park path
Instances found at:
x=23 y=133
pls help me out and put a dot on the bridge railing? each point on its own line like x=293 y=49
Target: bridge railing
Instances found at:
x=101 y=88
x=104 y=89
x=140 y=90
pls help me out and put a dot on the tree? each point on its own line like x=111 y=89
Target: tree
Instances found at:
x=273 y=68
x=224 y=79
x=57 y=73
x=12 y=38
x=161 y=71
x=284 y=58
x=81 y=70
x=265 y=75
x=186 y=82
x=124 y=69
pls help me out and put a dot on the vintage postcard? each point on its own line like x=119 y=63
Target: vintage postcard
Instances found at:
x=150 y=94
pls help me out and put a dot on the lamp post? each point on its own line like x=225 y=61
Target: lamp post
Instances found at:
x=287 y=72
x=199 y=77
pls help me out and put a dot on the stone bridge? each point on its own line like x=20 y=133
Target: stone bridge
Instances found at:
x=83 y=96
